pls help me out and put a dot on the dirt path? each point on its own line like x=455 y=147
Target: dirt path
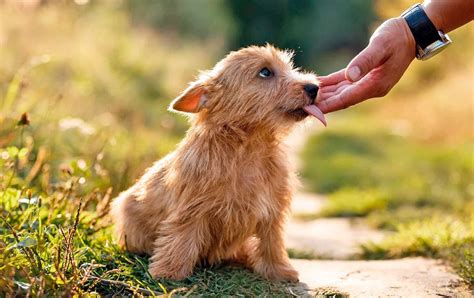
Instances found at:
x=338 y=239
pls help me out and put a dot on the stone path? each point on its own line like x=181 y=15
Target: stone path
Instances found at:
x=338 y=239
x=329 y=238
x=409 y=277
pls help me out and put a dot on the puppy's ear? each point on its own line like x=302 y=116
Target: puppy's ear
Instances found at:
x=191 y=100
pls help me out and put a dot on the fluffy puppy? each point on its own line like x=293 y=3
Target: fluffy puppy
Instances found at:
x=225 y=192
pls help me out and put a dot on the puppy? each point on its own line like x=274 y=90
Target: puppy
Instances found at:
x=224 y=193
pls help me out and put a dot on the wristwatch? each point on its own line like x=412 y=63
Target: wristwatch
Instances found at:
x=429 y=40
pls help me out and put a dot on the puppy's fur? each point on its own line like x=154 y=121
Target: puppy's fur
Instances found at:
x=225 y=192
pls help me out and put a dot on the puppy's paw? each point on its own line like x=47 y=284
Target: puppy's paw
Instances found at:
x=280 y=272
x=284 y=274
x=159 y=271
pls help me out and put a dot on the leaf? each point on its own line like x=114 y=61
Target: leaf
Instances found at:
x=12 y=151
x=28 y=242
x=22 y=153
x=59 y=281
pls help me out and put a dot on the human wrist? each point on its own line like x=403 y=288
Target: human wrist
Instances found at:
x=432 y=11
x=407 y=35
x=429 y=39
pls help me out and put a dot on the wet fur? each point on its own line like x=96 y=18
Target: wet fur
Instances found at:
x=225 y=192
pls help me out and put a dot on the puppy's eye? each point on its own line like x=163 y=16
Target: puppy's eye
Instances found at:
x=265 y=73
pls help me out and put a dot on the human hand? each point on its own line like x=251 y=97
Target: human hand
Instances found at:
x=373 y=72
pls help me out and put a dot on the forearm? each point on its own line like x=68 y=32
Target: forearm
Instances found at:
x=448 y=15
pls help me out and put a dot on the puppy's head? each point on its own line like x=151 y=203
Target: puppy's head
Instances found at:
x=253 y=87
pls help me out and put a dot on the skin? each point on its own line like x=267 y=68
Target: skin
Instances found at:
x=379 y=67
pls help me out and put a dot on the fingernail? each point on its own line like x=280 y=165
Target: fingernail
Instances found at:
x=354 y=73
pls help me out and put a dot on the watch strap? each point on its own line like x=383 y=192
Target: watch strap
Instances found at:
x=423 y=30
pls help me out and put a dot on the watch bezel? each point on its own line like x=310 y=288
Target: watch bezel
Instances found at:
x=434 y=48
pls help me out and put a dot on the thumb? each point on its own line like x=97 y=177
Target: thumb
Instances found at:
x=371 y=57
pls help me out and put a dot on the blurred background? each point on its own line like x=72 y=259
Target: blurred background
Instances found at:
x=85 y=85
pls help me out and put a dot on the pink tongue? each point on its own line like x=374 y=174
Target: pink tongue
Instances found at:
x=316 y=112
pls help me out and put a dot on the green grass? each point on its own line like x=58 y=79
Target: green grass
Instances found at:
x=329 y=293
x=353 y=202
x=438 y=237
x=376 y=173
x=303 y=254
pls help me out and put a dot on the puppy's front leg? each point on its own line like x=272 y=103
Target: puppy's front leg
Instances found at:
x=269 y=256
x=177 y=250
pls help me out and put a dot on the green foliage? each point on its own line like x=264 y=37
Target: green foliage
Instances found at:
x=101 y=101
x=302 y=254
x=386 y=172
x=354 y=202
x=186 y=18
x=299 y=25
x=328 y=292
x=303 y=26
x=441 y=237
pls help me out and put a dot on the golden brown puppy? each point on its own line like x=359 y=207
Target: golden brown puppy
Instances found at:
x=225 y=192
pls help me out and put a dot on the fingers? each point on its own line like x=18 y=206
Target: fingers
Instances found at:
x=333 y=78
x=330 y=84
x=349 y=95
x=375 y=84
x=332 y=88
x=326 y=92
x=371 y=57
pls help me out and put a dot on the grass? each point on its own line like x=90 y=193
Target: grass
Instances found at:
x=368 y=173
x=353 y=202
x=445 y=237
x=303 y=254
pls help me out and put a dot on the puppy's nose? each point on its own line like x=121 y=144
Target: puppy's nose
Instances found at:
x=311 y=90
